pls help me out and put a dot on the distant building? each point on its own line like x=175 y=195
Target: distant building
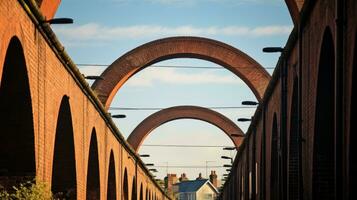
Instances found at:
x=213 y=178
x=199 y=189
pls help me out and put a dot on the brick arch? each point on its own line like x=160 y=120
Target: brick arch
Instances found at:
x=250 y=71
x=111 y=189
x=155 y=120
x=17 y=137
x=125 y=185
x=93 y=181
x=64 y=175
x=323 y=166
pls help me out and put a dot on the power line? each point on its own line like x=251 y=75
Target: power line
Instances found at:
x=188 y=166
x=157 y=108
x=168 y=66
x=185 y=145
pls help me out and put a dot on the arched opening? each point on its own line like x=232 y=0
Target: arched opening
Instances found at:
x=324 y=148
x=294 y=147
x=253 y=74
x=125 y=185
x=141 y=192
x=353 y=123
x=64 y=182
x=274 y=159
x=133 y=190
x=111 y=190
x=163 y=116
x=147 y=194
x=17 y=145
x=93 y=181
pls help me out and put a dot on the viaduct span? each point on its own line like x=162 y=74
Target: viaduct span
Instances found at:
x=52 y=125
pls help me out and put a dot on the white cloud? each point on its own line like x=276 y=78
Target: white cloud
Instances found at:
x=149 y=76
x=97 y=32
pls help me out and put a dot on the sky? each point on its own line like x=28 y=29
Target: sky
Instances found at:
x=106 y=29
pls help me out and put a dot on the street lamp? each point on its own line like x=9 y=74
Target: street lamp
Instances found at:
x=153 y=170
x=227 y=165
x=144 y=155
x=226 y=157
x=273 y=49
x=249 y=103
x=229 y=148
x=244 y=119
x=149 y=164
x=119 y=116
x=228 y=170
x=93 y=77
x=59 y=21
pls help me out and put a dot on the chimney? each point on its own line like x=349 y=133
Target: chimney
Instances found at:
x=199 y=176
x=170 y=179
x=183 y=177
x=213 y=178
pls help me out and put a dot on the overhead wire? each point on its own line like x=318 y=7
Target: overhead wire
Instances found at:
x=160 y=108
x=167 y=66
x=186 y=145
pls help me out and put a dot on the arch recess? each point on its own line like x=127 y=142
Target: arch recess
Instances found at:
x=64 y=175
x=17 y=137
x=323 y=178
x=93 y=180
x=111 y=189
x=163 y=116
x=125 y=186
x=250 y=71
x=274 y=159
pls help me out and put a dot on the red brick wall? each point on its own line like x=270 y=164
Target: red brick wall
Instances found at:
x=49 y=81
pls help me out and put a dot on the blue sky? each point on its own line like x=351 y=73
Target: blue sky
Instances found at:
x=106 y=29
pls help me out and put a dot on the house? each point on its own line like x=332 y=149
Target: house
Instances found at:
x=199 y=189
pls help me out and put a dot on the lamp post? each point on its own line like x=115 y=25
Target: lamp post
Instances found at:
x=229 y=148
x=144 y=155
x=149 y=164
x=244 y=119
x=119 y=116
x=153 y=170
x=249 y=103
x=59 y=21
x=282 y=147
x=93 y=77
x=226 y=157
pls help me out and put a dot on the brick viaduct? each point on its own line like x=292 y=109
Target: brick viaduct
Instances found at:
x=297 y=147
x=52 y=125
x=300 y=142
x=163 y=116
x=251 y=72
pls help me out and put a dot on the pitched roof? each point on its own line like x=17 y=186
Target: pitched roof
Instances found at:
x=191 y=186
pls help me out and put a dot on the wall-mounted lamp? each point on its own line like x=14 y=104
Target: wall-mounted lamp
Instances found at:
x=249 y=103
x=273 y=49
x=119 y=116
x=229 y=148
x=59 y=21
x=244 y=119
x=93 y=77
